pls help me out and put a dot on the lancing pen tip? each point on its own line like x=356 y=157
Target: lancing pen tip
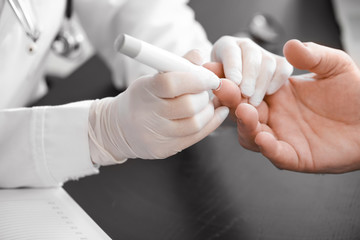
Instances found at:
x=220 y=84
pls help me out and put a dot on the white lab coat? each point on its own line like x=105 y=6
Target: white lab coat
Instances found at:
x=46 y=146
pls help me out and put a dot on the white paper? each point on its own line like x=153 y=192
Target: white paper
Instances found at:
x=44 y=214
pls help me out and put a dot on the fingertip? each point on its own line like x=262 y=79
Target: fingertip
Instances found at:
x=283 y=72
x=244 y=109
x=276 y=85
x=247 y=116
x=299 y=55
x=209 y=79
x=247 y=88
x=222 y=112
x=272 y=89
x=228 y=94
x=290 y=45
x=234 y=75
x=256 y=99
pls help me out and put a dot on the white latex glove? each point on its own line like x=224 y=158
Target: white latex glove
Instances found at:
x=255 y=70
x=156 y=117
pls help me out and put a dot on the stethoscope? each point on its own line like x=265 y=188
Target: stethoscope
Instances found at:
x=67 y=42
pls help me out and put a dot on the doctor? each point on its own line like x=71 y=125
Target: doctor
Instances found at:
x=154 y=118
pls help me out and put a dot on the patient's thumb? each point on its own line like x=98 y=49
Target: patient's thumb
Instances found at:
x=314 y=57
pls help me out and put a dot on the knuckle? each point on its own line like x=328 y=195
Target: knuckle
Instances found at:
x=247 y=43
x=225 y=38
x=167 y=110
x=200 y=120
x=197 y=102
x=195 y=124
x=222 y=45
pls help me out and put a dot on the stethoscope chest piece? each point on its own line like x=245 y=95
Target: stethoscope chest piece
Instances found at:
x=68 y=42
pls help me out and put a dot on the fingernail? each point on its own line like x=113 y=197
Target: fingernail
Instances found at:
x=234 y=75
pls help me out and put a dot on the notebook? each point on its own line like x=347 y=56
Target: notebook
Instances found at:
x=44 y=214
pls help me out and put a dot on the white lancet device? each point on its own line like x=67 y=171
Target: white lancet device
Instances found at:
x=156 y=57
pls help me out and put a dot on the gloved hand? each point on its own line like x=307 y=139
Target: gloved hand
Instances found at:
x=255 y=70
x=156 y=117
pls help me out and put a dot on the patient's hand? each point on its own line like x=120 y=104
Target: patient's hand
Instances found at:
x=312 y=124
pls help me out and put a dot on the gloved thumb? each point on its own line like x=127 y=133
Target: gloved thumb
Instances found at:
x=316 y=58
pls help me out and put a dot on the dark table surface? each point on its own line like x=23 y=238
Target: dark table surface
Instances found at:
x=215 y=189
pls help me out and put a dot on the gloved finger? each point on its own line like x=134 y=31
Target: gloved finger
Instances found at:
x=282 y=73
x=173 y=84
x=267 y=70
x=316 y=58
x=252 y=58
x=216 y=102
x=188 y=126
x=219 y=116
x=227 y=51
x=184 y=106
x=195 y=56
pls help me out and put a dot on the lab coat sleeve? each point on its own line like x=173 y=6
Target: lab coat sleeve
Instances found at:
x=44 y=146
x=169 y=24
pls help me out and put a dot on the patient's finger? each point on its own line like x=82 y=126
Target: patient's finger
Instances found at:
x=280 y=153
x=248 y=125
x=229 y=94
x=216 y=68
